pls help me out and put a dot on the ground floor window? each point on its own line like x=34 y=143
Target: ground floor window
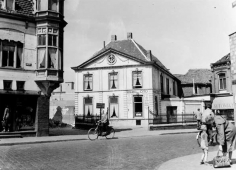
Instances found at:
x=228 y=114
x=22 y=112
x=171 y=114
x=88 y=106
x=138 y=106
x=114 y=111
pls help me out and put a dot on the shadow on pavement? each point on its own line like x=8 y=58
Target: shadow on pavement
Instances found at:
x=60 y=131
x=120 y=130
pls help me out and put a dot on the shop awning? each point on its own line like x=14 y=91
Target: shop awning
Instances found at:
x=7 y=34
x=222 y=103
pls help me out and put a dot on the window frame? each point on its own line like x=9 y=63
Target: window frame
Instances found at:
x=84 y=81
x=167 y=86
x=50 y=5
x=4 y=84
x=174 y=88
x=16 y=59
x=113 y=74
x=18 y=88
x=89 y=104
x=222 y=81
x=111 y=113
x=134 y=103
x=137 y=72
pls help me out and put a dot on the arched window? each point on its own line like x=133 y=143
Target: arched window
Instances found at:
x=222 y=81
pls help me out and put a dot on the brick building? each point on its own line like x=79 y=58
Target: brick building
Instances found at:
x=31 y=61
x=196 y=82
x=222 y=96
x=128 y=79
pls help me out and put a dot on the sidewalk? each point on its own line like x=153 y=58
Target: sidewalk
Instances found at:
x=61 y=135
x=192 y=162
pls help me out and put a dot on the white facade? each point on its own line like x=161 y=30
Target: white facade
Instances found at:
x=126 y=104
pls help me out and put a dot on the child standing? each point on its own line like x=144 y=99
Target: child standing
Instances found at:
x=203 y=144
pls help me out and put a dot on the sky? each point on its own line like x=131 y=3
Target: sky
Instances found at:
x=182 y=34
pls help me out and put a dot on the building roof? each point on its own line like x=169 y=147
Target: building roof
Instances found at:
x=226 y=58
x=131 y=48
x=22 y=7
x=200 y=76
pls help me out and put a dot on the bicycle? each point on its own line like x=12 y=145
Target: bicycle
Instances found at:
x=93 y=133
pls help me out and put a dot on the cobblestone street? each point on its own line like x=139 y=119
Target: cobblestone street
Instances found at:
x=124 y=153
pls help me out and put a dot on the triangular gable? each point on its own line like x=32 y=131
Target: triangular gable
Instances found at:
x=108 y=58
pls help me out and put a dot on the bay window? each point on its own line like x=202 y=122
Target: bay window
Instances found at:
x=49 y=54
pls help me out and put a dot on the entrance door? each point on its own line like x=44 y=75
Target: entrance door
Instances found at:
x=171 y=114
x=138 y=106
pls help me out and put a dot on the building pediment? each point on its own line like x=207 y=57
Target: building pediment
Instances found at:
x=110 y=58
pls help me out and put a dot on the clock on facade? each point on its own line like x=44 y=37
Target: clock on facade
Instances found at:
x=111 y=59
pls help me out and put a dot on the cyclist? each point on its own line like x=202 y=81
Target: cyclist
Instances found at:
x=104 y=122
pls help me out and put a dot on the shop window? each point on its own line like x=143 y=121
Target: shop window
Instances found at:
x=88 y=106
x=137 y=79
x=138 y=106
x=113 y=80
x=52 y=5
x=88 y=82
x=167 y=86
x=114 y=111
x=222 y=81
x=7 y=84
x=20 y=85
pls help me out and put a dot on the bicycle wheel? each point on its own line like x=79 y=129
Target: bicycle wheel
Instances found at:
x=111 y=134
x=92 y=134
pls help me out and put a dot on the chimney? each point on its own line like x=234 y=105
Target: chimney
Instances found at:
x=113 y=38
x=104 y=44
x=149 y=55
x=129 y=36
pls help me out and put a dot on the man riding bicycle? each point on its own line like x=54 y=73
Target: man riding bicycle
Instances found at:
x=104 y=123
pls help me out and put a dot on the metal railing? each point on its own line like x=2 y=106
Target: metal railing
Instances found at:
x=178 y=118
x=92 y=119
x=170 y=119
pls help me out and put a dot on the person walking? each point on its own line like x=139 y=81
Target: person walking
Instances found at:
x=198 y=116
x=203 y=144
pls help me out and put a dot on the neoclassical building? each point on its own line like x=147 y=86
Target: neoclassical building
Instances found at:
x=127 y=80
x=31 y=61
